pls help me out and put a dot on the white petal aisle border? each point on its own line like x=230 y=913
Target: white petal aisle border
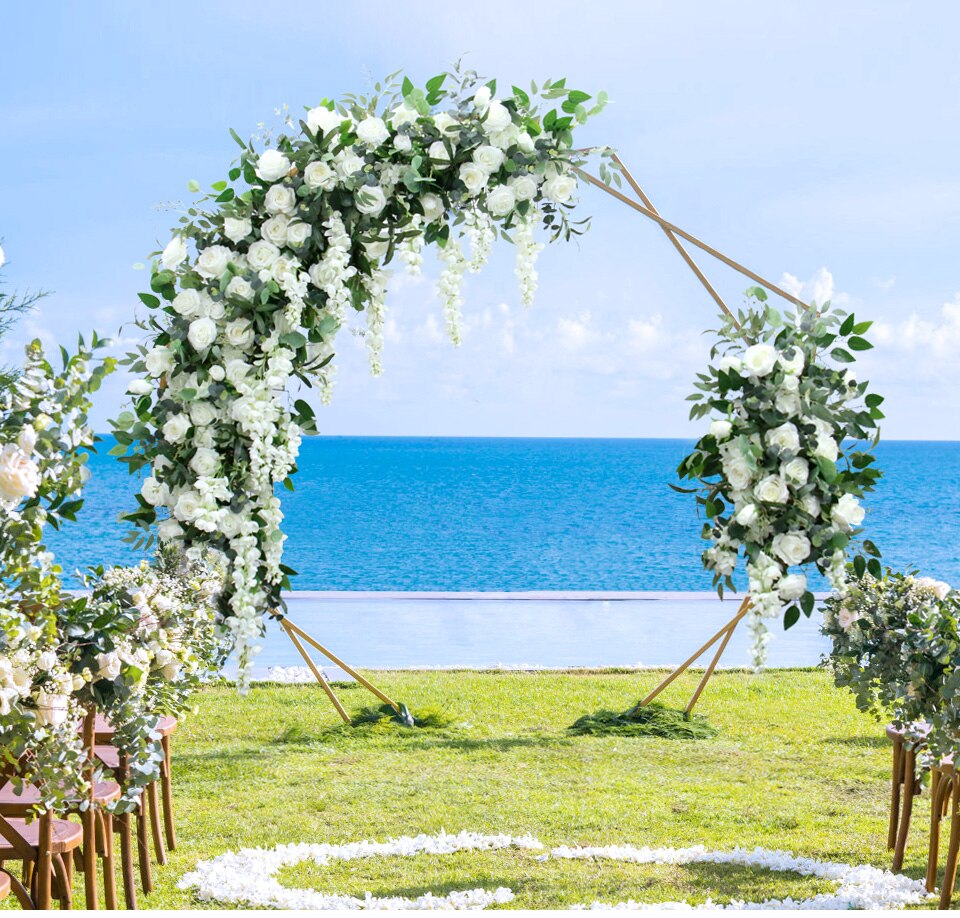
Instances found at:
x=248 y=877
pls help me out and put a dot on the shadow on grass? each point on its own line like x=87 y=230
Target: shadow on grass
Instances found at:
x=870 y=742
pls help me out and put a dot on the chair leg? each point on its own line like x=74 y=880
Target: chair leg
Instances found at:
x=105 y=827
x=91 y=893
x=953 y=849
x=21 y=892
x=166 y=787
x=936 y=817
x=895 y=794
x=126 y=861
x=64 y=884
x=909 y=788
x=156 y=829
x=143 y=847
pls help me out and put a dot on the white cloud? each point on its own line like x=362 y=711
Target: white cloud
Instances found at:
x=937 y=339
x=817 y=289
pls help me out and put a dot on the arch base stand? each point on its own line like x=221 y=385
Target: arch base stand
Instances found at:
x=299 y=638
x=723 y=636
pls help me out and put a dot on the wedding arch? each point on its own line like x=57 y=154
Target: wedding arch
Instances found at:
x=249 y=295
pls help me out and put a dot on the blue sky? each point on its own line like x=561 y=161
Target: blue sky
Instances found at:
x=810 y=139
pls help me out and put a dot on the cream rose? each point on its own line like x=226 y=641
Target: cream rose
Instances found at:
x=274 y=229
x=827 y=449
x=372 y=131
x=298 y=233
x=319 y=175
x=772 y=490
x=237 y=228
x=738 y=472
x=747 y=516
x=19 y=475
x=497 y=118
x=810 y=505
x=52 y=710
x=174 y=253
x=474 y=177
x=438 y=151
x=323 y=119
x=205 y=462
x=168 y=530
x=239 y=334
x=280 y=199
x=791 y=587
x=501 y=200
x=175 y=428
x=785 y=437
x=481 y=99
x=402 y=143
x=796 y=471
x=560 y=188
x=159 y=360
x=108 y=665
x=272 y=165
x=348 y=164
x=403 y=114
x=188 y=302
x=791 y=547
x=213 y=261
x=188 y=506
x=202 y=333
x=153 y=492
x=446 y=124
x=730 y=364
x=488 y=158
x=720 y=429
x=759 y=360
x=262 y=254
x=240 y=288
x=432 y=205
x=370 y=199
x=524 y=187
x=793 y=364
x=847 y=513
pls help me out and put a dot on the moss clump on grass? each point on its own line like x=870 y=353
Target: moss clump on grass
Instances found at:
x=652 y=720
x=385 y=717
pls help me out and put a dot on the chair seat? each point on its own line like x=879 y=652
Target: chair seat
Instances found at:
x=104 y=792
x=4 y=886
x=109 y=755
x=918 y=730
x=66 y=836
x=104 y=731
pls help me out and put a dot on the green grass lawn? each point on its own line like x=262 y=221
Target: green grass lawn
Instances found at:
x=795 y=766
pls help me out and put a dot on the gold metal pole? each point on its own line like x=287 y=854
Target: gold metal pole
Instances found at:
x=689 y=237
x=713 y=665
x=678 y=245
x=727 y=630
x=292 y=629
x=317 y=674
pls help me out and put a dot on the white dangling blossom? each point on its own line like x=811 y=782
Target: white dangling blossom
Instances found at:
x=480 y=235
x=451 y=286
x=411 y=250
x=376 y=286
x=527 y=250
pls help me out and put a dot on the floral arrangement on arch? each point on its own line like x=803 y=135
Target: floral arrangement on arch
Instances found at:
x=896 y=646
x=247 y=298
x=778 y=478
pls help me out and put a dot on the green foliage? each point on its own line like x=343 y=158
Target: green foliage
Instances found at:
x=650 y=720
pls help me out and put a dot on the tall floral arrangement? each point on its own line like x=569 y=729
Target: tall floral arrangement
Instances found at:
x=248 y=297
x=896 y=646
x=781 y=471
x=44 y=439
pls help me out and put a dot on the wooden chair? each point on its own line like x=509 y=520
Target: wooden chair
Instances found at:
x=904 y=788
x=944 y=789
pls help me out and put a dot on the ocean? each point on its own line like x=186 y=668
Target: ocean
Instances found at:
x=481 y=515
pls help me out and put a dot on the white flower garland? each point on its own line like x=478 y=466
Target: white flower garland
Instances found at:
x=248 y=877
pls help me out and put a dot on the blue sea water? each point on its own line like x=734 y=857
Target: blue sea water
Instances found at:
x=445 y=514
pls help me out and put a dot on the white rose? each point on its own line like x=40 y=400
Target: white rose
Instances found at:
x=188 y=506
x=432 y=205
x=274 y=230
x=488 y=158
x=446 y=124
x=370 y=199
x=438 y=151
x=738 y=472
x=230 y=523
x=202 y=413
x=262 y=254
x=560 y=188
x=791 y=587
x=482 y=99
x=240 y=288
x=772 y=490
x=239 y=334
x=140 y=387
x=159 y=361
x=237 y=228
x=320 y=175
x=846 y=618
x=19 y=474
x=348 y=164
x=792 y=365
x=402 y=143
x=827 y=449
x=175 y=428
x=788 y=403
x=51 y=709
x=747 y=516
x=498 y=117
x=506 y=138
x=322 y=274
x=791 y=547
x=27 y=439
x=168 y=530
x=108 y=665
x=376 y=250
x=810 y=505
x=524 y=187
x=526 y=142
x=188 y=302
x=153 y=492
x=272 y=165
x=847 y=513
x=213 y=261
x=501 y=200
x=474 y=177
x=171 y=670
x=205 y=462
x=46 y=661
x=760 y=359
x=796 y=471
x=236 y=371
x=403 y=114
x=324 y=120
x=785 y=437
x=202 y=333
x=939 y=588
x=720 y=429
x=280 y=199
x=730 y=364
x=372 y=131
x=174 y=253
